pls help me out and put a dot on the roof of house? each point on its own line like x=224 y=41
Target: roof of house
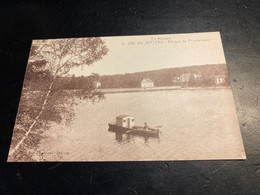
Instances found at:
x=123 y=116
x=147 y=80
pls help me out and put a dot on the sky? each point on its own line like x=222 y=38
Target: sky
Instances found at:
x=128 y=54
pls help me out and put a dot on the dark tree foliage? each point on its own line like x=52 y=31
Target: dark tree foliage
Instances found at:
x=44 y=99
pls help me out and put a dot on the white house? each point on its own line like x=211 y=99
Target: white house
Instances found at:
x=219 y=79
x=197 y=76
x=97 y=84
x=147 y=83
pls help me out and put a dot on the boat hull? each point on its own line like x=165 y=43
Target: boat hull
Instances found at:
x=136 y=130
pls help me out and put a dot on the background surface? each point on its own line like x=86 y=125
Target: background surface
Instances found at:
x=239 y=24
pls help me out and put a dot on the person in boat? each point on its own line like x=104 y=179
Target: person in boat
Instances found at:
x=145 y=127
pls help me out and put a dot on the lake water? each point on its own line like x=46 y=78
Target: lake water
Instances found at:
x=196 y=124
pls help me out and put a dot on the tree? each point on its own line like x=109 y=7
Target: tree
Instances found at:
x=58 y=57
x=192 y=81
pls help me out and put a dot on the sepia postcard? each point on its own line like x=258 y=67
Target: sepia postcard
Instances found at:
x=127 y=98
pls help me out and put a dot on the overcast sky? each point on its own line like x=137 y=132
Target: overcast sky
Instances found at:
x=128 y=54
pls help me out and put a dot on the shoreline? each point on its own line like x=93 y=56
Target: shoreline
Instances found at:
x=131 y=90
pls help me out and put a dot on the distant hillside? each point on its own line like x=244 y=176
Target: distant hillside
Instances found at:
x=165 y=77
x=162 y=77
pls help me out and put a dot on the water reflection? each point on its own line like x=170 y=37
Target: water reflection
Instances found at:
x=120 y=137
x=88 y=138
x=127 y=137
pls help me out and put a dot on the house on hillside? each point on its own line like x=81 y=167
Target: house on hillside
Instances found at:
x=219 y=79
x=147 y=83
x=197 y=76
x=185 y=78
x=97 y=84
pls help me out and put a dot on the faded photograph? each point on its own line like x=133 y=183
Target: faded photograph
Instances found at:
x=127 y=98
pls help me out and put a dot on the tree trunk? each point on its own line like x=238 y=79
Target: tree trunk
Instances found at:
x=34 y=122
